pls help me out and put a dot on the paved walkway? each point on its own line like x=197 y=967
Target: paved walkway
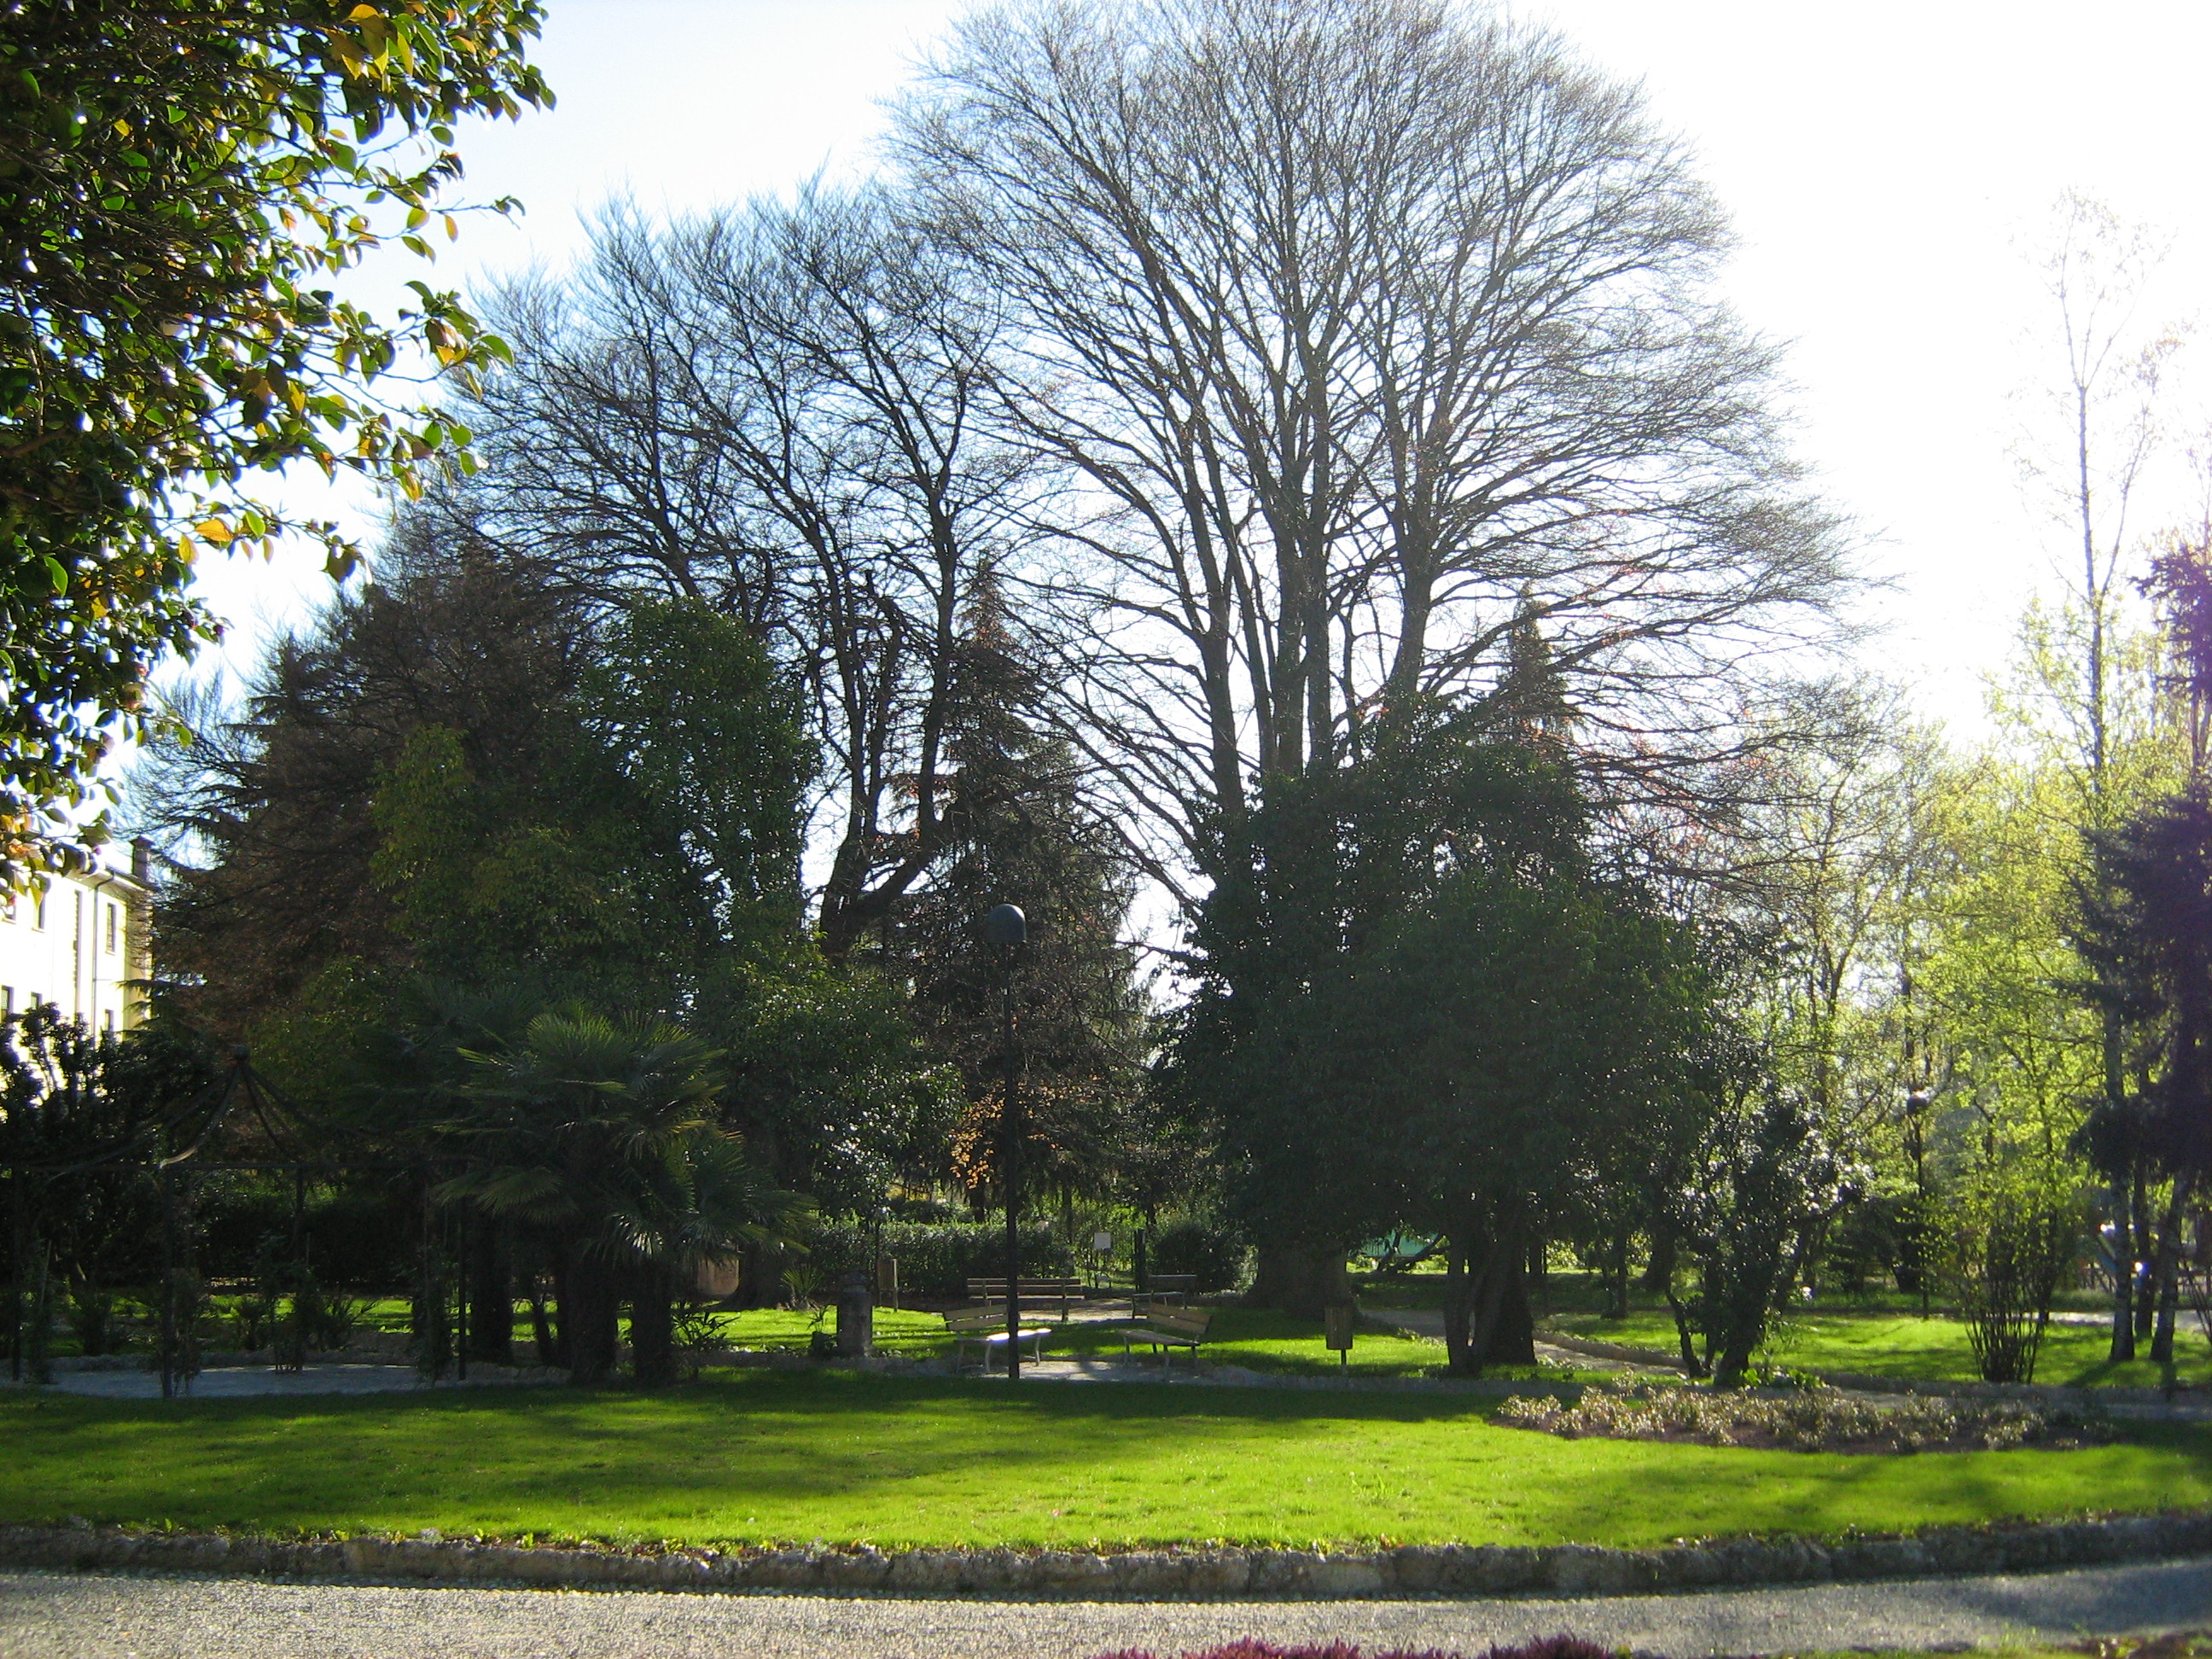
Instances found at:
x=1429 y=1322
x=232 y=1381
x=57 y=1617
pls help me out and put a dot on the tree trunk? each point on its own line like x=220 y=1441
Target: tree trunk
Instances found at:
x=653 y=1327
x=2146 y=1251
x=1457 y=1306
x=1299 y=1279
x=541 y=1326
x=2166 y=1273
x=590 y=1323
x=1616 y=1279
x=1659 y=1272
x=1513 y=1336
x=563 y=1320
x=1486 y=1317
x=2123 y=1275
x=491 y=1295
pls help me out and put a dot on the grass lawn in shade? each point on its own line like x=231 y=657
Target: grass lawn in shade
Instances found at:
x=765 y=1456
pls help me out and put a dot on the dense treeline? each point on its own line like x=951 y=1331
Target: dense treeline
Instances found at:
x=1270 y=488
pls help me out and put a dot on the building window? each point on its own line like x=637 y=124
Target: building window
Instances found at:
x=110 y=929
x=107 y=1022
x=7 y=1002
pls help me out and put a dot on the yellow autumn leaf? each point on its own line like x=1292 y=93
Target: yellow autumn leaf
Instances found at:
x=214 y=530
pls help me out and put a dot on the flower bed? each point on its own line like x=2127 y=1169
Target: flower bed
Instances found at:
x=1817 y=1420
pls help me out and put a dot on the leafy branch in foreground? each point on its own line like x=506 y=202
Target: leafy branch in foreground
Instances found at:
x=176 y=179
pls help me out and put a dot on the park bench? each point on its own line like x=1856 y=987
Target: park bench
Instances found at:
x=1166 y=1329
x=1171 y=1288
x=986 y=1328
x=1035 y=1292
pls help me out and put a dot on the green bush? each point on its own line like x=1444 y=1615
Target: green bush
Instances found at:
x=937 y=1260
x=1215 y=1253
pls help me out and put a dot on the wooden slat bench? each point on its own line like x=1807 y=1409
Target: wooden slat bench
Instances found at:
x=1170 y=1288
x=985 y=1327
x=1035 y=1292
x=1166 y=1329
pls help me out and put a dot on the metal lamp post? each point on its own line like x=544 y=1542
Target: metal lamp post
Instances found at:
x=1008 y=929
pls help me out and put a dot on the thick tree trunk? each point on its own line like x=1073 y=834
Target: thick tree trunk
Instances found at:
x=590 y=1320
x=1299 y=1279
x=1513 y=1336
x=1659 y=1272
x=1487 y=1317
x=653 y=1327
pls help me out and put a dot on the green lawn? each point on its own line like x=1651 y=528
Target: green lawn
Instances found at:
x=1259 y=1340
x=761 y=1456
x=1901 y=1345
x=1254 y=1339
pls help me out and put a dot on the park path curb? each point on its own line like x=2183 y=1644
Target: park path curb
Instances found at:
x=1446 y=1570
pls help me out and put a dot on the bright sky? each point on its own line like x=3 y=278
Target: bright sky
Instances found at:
x=1889 y=167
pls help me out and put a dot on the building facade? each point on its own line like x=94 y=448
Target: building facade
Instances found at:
x=82 y=944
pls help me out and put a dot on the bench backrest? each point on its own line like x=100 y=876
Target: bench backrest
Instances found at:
x=1180 y=1321
x=1173 y=1282
x=976 y=1319
x=978 y=1289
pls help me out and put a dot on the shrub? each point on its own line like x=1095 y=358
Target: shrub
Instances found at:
x=1814 y=1420
x=936 y=1261
x=2010 y=1246
x=1215 y=1253
x=91 y=1316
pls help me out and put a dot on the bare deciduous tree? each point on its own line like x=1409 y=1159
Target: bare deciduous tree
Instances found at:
x=1377 y=343
x=773 y=408
x=1369 y=335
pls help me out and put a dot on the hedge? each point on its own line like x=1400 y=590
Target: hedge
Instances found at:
x=937 y=1260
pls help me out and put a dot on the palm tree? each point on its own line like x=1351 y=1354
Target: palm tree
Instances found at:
x=606 y=1134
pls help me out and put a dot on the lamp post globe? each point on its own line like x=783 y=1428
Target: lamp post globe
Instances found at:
x=1006 y=925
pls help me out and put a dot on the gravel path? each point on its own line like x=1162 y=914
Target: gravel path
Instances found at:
x=92 y=1617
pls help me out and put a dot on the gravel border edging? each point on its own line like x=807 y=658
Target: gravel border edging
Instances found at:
x=1445 y=1569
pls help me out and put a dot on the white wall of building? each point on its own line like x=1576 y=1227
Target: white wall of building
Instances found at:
x=75 y=944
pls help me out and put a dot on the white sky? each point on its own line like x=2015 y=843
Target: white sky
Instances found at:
x=1888 y=166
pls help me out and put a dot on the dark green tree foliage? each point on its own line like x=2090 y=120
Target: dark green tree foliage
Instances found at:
x=81 y=1117
x=1016 y=832
x=175 y=179
x=506 y=806
x=608 y=1137
x=1757 y=1183
x=712 y=759
x=832 y=1085
x=2145 y=930
x=1449 y=1018
x=277 y=802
